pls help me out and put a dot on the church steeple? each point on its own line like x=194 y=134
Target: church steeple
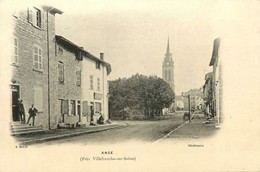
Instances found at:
x=168 y=55
x=168 y=67
x=168 y=48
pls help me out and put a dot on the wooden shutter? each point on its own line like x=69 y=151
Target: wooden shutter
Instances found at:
x=84 y=108
x=38 y=98
x=61 y=72
x=30 y=15
x=65 y=107
x=42 y=19
x=78 y=77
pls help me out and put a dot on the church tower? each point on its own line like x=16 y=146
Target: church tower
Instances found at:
x=168 y=68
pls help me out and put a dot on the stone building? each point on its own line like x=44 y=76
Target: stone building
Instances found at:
x=33 y=45
x=217 y=85
x=213 y=84
x=95 y=86
x=65 y=88
x=61 y=79
x=80 y=89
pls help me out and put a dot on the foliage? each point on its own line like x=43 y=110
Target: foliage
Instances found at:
x=148 y=94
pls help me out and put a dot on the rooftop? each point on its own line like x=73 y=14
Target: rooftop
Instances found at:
x=75 y=48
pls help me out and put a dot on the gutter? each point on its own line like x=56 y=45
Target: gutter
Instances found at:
x=48 y=57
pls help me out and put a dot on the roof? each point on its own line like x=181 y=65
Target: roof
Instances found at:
x=52 y=9
x=75 y=48
x=215 y=51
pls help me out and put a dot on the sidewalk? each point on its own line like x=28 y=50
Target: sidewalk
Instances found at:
x=64 y=133
x=196 y=129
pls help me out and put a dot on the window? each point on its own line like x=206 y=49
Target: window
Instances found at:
x=15 y=59
x=61 y=72
x=35 y=17
x=37 y=58
x=98 y=84
x=78 y=77
x=78 y=108
x=38 y=98
x=73 y=107
x=60 y=50
x=97 y=107
x=91 y=82
x=79 y=55
x=38 y=18
x=98 y=64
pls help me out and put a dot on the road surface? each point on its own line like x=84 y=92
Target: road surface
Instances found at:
x=148 y=131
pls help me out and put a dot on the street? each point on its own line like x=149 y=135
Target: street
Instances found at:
x=148 y=131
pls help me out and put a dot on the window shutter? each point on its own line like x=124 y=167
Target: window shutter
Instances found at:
x=84 y=108
x=65 y=108
x=79 y=55
x=61 y=72
x=30 y=15
x=78 y=77
x=42 y=19
x=38 y=98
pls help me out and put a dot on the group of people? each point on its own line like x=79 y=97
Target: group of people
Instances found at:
x=21 y=112
x=207 y=113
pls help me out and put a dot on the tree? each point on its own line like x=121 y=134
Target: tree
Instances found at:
x=149 y=94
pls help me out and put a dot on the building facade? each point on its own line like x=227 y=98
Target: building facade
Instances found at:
x=217 y=85
x=53 y=73
x=34 y=29
x=208 y=92
x=213 y=84
x=95 y=87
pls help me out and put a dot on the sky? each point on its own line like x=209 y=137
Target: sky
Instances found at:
x=133 y=34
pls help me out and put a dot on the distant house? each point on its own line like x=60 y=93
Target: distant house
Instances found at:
x=179 y=105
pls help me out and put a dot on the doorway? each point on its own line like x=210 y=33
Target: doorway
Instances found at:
x=79 y=110
x=92 y=113
x=15 y=97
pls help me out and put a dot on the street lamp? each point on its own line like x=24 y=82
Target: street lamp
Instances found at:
x=188 y=96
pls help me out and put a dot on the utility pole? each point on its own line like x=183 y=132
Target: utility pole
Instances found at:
x=188 y=104
x=189 y=107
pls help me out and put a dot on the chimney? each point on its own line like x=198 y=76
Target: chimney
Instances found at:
x=102 y=56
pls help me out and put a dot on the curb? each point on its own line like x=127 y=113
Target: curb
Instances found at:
x=168 y=134
x=41 y=140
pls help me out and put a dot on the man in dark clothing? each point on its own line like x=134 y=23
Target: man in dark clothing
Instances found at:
x=100 y=120
x=21 y=111
x=32 y=111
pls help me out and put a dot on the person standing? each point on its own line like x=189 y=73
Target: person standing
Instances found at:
x=21 y=111
x=32 y=111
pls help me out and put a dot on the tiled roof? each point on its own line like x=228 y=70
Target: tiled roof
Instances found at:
x=74 y=47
